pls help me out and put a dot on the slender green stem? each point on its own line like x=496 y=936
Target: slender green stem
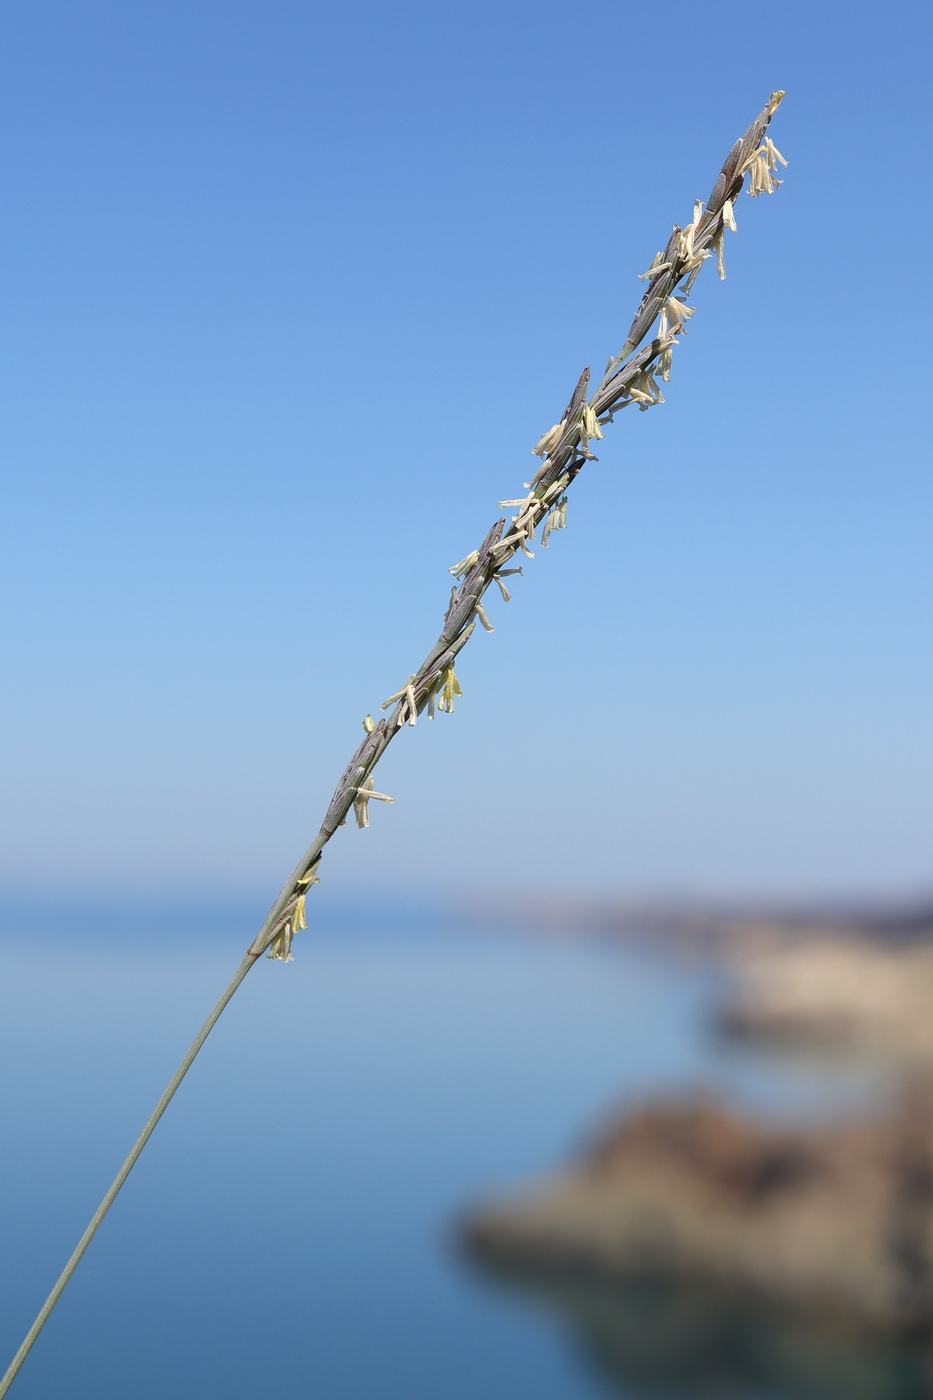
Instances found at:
x=10 y=1374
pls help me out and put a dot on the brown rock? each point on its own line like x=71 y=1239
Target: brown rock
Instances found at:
x=838 y=1219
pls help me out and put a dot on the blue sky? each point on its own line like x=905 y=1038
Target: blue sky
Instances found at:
x=287 y=294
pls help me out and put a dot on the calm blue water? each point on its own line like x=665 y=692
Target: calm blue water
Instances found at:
x=287 y=1231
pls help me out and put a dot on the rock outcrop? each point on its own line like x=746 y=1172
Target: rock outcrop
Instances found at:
x=837 y=1219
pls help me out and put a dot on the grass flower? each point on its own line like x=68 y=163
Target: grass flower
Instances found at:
x=280 y=950
x=449 y=688
x=410 y=709
x=677 y=313
x=464 y=566
x=556 y=520
x=484 y=620
x=589 y=428
x=498 y=577
x=762 y=166
x=645 y=391
x=365 y=795
x=657 y=267
x=549 y=440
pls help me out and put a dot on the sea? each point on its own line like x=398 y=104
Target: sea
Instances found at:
x=291 y=1230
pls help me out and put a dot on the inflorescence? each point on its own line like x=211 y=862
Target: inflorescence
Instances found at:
x=631 y=377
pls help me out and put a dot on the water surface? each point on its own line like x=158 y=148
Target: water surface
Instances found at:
x=288 y=1230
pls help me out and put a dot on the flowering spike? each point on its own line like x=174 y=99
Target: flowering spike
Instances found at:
x=625 y=381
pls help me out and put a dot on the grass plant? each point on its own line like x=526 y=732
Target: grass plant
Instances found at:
x=631 y=378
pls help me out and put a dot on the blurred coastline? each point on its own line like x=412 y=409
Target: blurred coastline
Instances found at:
x=695 y=1242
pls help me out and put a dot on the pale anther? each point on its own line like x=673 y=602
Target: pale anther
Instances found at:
x=463 y=567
